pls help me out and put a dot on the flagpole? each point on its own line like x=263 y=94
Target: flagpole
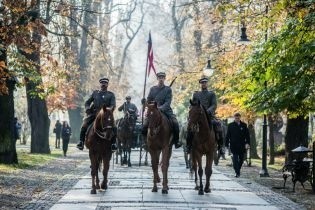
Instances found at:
x=143 y=96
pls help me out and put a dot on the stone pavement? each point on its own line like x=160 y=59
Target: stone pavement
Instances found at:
x=130 y=188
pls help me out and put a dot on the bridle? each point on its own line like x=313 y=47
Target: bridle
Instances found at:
x=154 y=126
x=195 y=127
x=104 y=129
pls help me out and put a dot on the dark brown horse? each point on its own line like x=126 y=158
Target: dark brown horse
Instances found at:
x=99 y=144
x=203 y=144
x=159 y=140
x=125 y=138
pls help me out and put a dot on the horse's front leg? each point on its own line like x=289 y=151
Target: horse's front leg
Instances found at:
x=155 y=164
x=97 y=183
x=93 y=171
x=106 y=161
x=208 y=171
x=200 y=173
x=129 y=153
x=194 y=168
x=166 y=155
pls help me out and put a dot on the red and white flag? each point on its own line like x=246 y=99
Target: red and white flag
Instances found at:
x=150 y=56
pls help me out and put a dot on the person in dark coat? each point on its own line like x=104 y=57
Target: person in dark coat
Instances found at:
x=129 y=107
x=65 y=134
x=57 y=131
x=98 y=98
x=237 y=138
x=17 y=129
x=162 y=95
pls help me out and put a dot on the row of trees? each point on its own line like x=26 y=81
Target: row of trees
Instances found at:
x=55 y=49
x=58 y=49
x=285 y=62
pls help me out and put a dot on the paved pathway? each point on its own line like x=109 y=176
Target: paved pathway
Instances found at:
x=130 y=188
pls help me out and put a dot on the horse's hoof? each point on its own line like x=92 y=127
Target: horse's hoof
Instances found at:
x=129 y=164
x=164 y=191
x=93 y=191
x=207 y=190
x=154 y=189
x=200 y=192
x=197 y=188
x=104 y=186
x=98 y=187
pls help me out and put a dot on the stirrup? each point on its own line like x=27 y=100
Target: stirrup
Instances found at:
x=80 y=146
x=113 y=147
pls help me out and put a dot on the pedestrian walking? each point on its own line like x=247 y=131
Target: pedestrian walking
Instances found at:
x=66 y=133
x=57 y=131
x=237 y=138
x=17 y=129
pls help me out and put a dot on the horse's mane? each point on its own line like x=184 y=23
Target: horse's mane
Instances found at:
x=207 y=116
x=204 y=109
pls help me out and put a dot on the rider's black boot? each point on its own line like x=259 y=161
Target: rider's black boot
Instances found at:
x=189 y=139
x=176 y=133
x=80 y=146
x=113 y=140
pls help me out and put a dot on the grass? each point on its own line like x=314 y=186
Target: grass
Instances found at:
x=28 y=160
x=279 y=161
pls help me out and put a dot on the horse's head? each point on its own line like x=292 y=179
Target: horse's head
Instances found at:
x=128 y=121
x=196 y=113
x=153 y=115
x=104 y=123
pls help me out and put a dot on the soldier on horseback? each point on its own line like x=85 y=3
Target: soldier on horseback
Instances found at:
x=162 y=95
x=209 y=102
x=99 y=98
x=130 y=108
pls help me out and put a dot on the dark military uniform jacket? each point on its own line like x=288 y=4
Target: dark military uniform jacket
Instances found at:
x=236 y=137
x=99 y=98
x=163 y=97
x=207 y=99
x=130 y=107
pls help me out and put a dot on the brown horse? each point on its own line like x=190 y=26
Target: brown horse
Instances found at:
x=159 y=140
x=203 y=144
x=125 y=138
x=99 y=144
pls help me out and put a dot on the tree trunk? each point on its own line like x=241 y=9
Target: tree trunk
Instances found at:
x=178 y=26
x=75 y=117
x=197 y=31
x=271 y=140
x=253 y=142
x=37 y=108
x=7 y=140
x=296 y=135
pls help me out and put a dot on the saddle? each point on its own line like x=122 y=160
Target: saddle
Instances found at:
x=169 y=121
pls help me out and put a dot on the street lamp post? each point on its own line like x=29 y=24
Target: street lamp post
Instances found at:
x=264 y=172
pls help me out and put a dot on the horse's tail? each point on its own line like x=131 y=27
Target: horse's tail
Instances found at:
x=99 y=161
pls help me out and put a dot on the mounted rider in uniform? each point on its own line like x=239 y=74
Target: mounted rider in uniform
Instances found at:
x=208 y=100
x=162 y=95
x=130 y=108
x=98 y=98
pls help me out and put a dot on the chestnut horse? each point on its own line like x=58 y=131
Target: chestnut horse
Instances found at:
x=203 y=144
x=98 y=142
x=159 y=140
x=125 y=138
